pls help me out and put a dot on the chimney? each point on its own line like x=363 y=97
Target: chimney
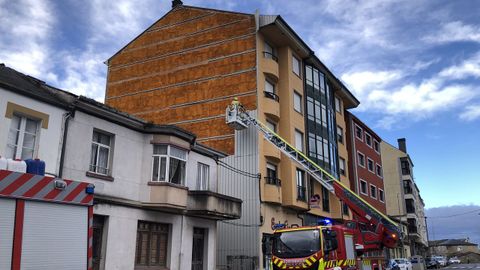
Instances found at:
x=402 y=145
x=176 y=3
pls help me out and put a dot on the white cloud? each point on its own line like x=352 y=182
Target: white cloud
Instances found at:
x=26 y=27
x=455 y=31
x=471 y=113
x=468 y=68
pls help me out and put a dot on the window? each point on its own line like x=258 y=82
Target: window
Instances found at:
x=301 y=189
x=269 y=52
x=325 y=199
x=370 y=165
x=270 y=90
x=272 y=176
x=169 y=164
x=203 y=176
x=405 y=167
x=381 y=195
x=379 y=170
x=299 y=140
x=359 y=132
x=272 y=125
x=363 y=187
x=373 y=191
x=368 y=139
x=101 y=151
x=22 y=138
x=345 y=209
x=361 y=159
x=342 y=166
x=340 y=134
x=296 y=65
x=152 y=244
x=376 y=146
x=297 y=102
x=198 y=248
x=338 y=105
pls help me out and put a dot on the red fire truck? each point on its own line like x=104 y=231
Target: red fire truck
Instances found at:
x=325 y=246
x=45 y=222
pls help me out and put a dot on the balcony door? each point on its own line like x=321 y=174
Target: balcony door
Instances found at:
x=198 y=250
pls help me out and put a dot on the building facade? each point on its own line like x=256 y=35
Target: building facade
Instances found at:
x=452 y=247
x=189 y=65
x=403 y=196
x=156 y=190
x=366 y=171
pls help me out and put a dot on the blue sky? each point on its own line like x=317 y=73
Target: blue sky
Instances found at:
x=414 y=65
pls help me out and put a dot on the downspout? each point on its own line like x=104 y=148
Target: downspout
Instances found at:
x=67 y=116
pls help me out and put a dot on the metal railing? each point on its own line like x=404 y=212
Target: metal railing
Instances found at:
x=271 y=95
x=270 y=55
x=273 y=181
x=301 y=193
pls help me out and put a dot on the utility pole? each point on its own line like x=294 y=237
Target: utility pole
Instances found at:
x=428 y=244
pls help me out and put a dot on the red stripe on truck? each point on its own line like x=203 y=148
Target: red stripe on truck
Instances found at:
x=18 y=235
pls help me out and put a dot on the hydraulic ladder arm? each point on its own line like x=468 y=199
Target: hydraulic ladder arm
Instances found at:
x=387 y=231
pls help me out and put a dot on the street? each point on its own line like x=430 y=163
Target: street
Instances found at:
x=471 y=266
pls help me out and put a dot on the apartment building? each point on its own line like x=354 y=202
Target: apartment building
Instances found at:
x=403 y=196
x=156 y=202
x=366 y=172
x=190 y=64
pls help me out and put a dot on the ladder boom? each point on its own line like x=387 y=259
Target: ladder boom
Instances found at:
x=238 y=118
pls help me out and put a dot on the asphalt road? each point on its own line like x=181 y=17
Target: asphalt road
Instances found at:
x=472 y=266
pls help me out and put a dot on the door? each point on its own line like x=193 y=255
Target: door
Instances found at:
x=198 y=249
x=7 y=219
x=97 y=256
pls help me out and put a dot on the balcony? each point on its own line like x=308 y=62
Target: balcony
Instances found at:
x=272 y=190
x=301 y=193
x=165 y=195
x=271 y=105
x=269 y=64
x=211 y=205
x=270 y=151
x=273 y=181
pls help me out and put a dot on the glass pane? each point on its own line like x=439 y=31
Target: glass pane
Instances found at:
x=15 y=124
x=268 y=48
x=93 y=158
x=156 y=163
x=160 y=149
x=29 y=141
x=177 y=171
x=10 y=151
x=269 y=87
x=178 y=153
x=31 y=126
x=13 y=137
x=163 y=168
x=27 y=153
x=102 y=165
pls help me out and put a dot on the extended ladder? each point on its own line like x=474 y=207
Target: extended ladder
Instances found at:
x=238 y=118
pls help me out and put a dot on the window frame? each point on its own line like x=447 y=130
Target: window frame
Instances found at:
x=168 y=156
x=296 y=59
x=371 y=139
x=361 y=131
x=340 y=138
x=375 y=142
x=377 y=166
x=339 y=107
x=366 y=187
x=150 y=232
x=268 y=179
x=373 y=193
x=206 y=178
x=17 y=149
x=381 y=198
x=358 y=159
x=340 y=159
x=109 y=156
x=369 y=160
x=296 y=94
x=298 y=132
x=303 y=184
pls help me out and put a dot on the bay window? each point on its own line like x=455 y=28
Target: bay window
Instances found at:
x=169 y=163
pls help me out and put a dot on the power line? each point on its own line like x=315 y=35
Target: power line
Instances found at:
x=460 y=214
x=236 y=170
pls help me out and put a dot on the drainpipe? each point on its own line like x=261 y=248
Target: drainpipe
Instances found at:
x=67 y=117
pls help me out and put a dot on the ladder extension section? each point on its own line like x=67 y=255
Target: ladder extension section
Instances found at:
x=238 y=118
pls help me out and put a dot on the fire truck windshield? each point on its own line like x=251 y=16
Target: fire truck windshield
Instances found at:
x=295 y=244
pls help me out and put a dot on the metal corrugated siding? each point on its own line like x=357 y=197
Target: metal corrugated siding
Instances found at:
x=267 y=19
x=54 y=236
x=241 y=237
x=7 y=220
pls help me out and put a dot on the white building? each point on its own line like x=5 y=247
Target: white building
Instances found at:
x=156 y=200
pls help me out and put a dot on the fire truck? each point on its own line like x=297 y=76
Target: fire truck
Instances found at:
x=325 y=246
x=45 y=222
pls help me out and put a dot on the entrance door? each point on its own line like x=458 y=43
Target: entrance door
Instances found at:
x=98 y=224
x=198 y=249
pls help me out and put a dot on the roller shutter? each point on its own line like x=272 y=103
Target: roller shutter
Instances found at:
x=54 y=236
x=7 y=219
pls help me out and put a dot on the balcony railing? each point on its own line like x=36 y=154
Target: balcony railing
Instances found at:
x=407 y=190
x=406 y=171
x=410 y=210
x=412 y=229
x=273 y=181
x=270 y=55
x=301 y=193
x=271 y=95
